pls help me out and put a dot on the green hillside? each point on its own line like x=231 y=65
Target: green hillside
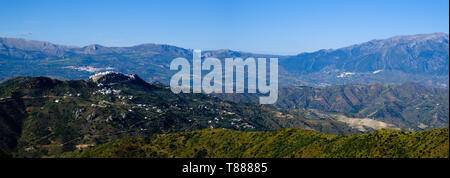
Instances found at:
x=286 y=143
x=43 y=116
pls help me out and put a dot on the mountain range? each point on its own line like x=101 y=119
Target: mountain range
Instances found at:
x=423 y=59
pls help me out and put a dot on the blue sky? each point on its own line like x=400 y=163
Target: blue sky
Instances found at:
x=263 y=26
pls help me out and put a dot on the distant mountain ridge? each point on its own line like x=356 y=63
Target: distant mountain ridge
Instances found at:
x=420 y=58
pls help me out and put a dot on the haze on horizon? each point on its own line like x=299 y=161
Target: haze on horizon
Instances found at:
x=273 y=27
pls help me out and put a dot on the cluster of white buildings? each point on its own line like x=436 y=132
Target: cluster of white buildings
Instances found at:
x=107 y=91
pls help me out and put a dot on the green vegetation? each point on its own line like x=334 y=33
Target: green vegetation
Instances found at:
x=285 y=143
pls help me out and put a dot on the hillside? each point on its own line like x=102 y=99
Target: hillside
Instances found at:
x=423 y=59
x=406 y=106
x=44 y=116
x=286 y=143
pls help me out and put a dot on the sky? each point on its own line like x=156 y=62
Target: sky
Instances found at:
x=261 y=26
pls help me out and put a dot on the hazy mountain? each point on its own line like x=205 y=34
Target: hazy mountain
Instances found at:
x=13 y=48
x=418 y=58
x=410 y=54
